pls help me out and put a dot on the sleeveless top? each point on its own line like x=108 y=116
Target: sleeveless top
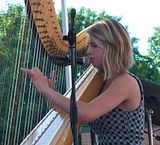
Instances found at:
x=121 y=127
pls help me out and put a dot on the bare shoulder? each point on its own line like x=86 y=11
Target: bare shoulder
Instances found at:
x=122 y=92
x=131 y=88
x=122 y=86
x=125 y=79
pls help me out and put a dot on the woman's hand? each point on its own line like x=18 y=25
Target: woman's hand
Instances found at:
x=41 y=82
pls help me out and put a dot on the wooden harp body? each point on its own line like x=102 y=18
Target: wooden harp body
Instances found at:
x=54 y=128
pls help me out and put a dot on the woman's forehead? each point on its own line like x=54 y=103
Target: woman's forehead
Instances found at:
x=95 y=41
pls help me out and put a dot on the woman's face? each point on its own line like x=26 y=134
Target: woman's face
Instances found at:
x=96 y=53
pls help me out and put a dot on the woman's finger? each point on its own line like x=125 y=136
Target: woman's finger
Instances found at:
x=53 y=75
x=26 y=70
x=52 y=80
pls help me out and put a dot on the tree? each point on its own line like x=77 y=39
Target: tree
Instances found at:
x=154 y=47
x=146 y=66
x=86 y=17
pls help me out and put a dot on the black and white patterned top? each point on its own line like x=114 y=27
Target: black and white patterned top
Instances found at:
x=120 y=127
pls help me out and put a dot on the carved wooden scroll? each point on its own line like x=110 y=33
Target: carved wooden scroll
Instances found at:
x=48 y=28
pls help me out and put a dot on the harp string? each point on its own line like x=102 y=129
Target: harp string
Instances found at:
x=41 y=61
x=30 y=64
x=23 y=106
x=22 y=82
x=13 y=111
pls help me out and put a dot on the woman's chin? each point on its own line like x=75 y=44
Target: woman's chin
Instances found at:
x=96 y=66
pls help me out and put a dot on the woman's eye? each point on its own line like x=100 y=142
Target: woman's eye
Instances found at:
x=94 y=45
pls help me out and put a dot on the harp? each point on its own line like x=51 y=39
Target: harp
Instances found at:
x=57 y=130
x=26 y=118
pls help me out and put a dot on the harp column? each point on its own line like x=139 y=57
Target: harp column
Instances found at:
x=65 y=32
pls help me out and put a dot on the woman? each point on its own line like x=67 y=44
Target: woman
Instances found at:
x=118 y=118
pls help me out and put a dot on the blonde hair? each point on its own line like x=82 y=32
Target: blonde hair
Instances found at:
x=118 y=54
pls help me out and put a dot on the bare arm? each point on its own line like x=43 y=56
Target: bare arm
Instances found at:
x=45 y=87
x=118 y=92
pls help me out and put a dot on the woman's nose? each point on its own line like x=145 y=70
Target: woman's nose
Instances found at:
x=89 y=50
